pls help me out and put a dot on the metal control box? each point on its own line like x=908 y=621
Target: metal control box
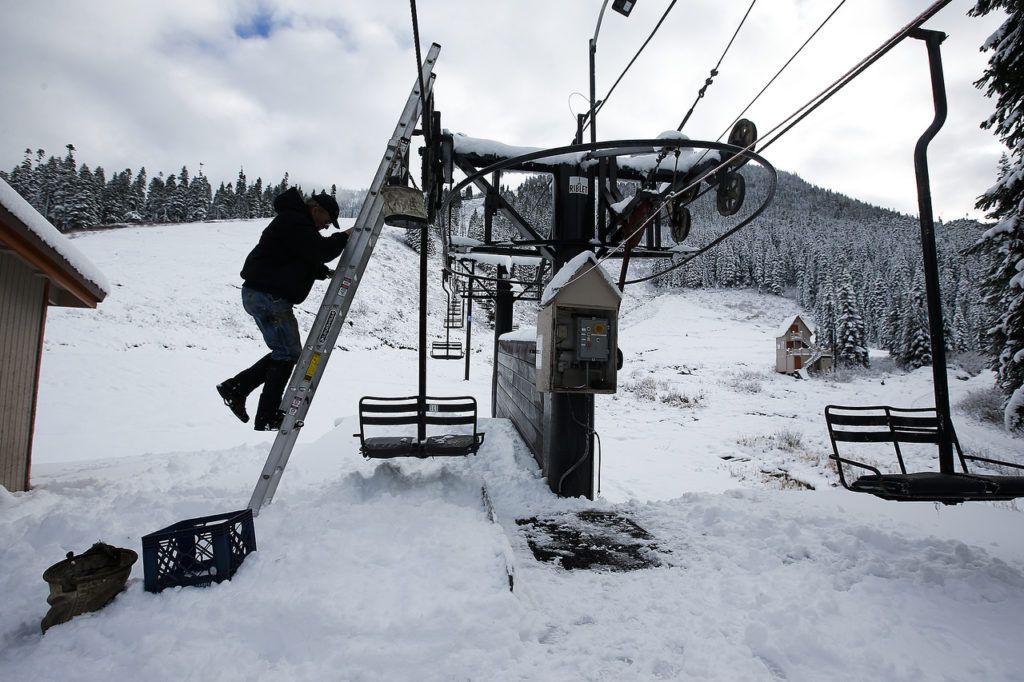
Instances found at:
x=577 y=335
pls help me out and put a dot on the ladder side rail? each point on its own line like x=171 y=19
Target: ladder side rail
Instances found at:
x=330 y=318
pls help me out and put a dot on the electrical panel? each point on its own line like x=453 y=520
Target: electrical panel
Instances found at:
x=592 y=339
x=576 y=349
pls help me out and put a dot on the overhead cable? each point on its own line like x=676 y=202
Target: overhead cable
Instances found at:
x=714 y=71
x=794 y=118
x=788 y=62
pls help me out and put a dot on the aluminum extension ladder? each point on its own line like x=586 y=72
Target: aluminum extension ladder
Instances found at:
x=334 y=308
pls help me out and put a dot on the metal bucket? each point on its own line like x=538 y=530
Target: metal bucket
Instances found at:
x=404 y=207
x=86 y=582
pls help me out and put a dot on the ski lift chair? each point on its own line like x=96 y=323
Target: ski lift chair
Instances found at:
x=410 y=411
x=446 y=350
x=885 y=424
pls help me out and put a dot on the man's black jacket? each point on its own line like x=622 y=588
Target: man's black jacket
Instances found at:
x=291 y=252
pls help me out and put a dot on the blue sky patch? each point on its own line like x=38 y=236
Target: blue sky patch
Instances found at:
x=259 y=25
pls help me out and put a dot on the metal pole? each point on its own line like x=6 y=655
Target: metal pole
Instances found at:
x=503 y=303
x=421 y=427
x=933 y=39
x=593 y=54
x=593 y=93
x=469 y=321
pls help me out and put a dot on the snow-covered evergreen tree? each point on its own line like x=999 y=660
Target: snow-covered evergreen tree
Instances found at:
x=851 y=344
x=136 y=208
x=197 y=199
x=1003 y=243
x=156 y=200
x=916 y=346
x=82 y=204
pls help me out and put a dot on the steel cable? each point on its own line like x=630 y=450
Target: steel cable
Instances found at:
x=714 y=71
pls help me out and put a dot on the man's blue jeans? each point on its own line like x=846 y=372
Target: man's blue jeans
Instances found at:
x=277 y=323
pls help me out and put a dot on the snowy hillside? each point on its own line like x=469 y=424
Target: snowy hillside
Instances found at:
x=761 y=568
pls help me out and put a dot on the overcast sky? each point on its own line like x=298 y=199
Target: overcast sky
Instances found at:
x=314 y=87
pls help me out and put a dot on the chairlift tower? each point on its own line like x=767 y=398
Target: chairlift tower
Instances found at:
x=590 y=214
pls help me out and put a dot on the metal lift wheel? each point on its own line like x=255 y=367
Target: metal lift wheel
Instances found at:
x=731 y=191
x=743 y=134
x=680 y=222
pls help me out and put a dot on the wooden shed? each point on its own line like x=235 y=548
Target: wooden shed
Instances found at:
x=39 y=267
x=795 y=348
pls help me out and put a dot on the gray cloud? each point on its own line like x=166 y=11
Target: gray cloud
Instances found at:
x=314 y=87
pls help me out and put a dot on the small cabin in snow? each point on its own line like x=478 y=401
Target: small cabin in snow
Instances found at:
x=795 y=349
x=39 y=267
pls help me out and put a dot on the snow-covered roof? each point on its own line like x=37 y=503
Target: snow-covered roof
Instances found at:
x=580 y=265
x=784 y=329
x=54 y=246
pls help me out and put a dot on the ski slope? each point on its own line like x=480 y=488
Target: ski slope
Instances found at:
x=370 y=570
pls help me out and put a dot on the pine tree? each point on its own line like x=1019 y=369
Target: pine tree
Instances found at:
x=1003 y=244
x=197 y=199
x=80 y=206
x=825 y=313
x=240 y=209
x=916 y=346
x=851 y=345
x=173 y=207
x=20 y=178
x=62 y=180
x=256 y=208
x=156 y=200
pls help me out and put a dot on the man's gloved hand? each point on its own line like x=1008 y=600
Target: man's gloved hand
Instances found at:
x=326 y=273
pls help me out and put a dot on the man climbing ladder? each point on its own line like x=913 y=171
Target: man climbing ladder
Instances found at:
x=319 y=344
x=279 y=273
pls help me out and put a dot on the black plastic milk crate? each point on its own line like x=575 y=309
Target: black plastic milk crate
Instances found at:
x=197 y=551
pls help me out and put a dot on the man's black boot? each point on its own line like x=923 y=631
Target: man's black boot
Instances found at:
x=235 y=390
x=268 y=416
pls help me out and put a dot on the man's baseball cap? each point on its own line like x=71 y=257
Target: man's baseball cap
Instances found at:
x=329 y=204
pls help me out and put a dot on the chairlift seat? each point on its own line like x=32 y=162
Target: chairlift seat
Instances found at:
x=451 y=444
x=446 y=350
x=881 y=424
x=389 y=446
x=936 y=487
x=406 y=411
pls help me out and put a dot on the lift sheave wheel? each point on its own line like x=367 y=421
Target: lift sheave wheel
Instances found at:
x=731 y=191
x=679 y=221
x=743 y=134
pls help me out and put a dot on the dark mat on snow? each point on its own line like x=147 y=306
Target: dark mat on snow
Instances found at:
x=596 y=540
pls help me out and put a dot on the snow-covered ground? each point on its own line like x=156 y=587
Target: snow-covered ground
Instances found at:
x=371 y=570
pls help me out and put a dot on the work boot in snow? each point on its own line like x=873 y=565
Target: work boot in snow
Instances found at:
x=234 y=399
x=268 y=416
x=235 y=390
